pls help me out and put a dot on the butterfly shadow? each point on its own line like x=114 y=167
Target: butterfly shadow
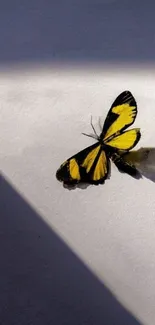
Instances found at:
x=144 y=161
x=71 y=187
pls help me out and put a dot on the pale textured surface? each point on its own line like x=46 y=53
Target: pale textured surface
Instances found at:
x=111 y=227
x=43 y=111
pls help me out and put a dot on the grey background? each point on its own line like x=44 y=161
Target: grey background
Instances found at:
x=79 y=31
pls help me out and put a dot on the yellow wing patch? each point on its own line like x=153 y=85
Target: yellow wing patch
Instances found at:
x=100 y=170
x=126 y=115
x=125 y=141
x=74 y=169
x=90 y=159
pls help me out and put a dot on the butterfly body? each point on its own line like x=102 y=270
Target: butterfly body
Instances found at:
x=92 y=164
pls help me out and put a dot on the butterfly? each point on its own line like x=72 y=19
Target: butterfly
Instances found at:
x=92 y=165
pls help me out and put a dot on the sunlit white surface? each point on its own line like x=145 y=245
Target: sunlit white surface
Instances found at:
x=111 y=226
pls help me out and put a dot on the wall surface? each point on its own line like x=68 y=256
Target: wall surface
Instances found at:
x=63 y=250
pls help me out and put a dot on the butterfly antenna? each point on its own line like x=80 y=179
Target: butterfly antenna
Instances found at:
x=99 y=122
x=91 y=122
x=95 y=135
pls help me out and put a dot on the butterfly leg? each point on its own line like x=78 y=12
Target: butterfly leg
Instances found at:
x=90 y=135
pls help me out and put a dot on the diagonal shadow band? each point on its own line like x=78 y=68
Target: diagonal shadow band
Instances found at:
x=42 y=281
x=144 y=160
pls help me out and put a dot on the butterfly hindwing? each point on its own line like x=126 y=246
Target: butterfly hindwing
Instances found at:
x=90 y=165
x=126 y=140
x=120 y=116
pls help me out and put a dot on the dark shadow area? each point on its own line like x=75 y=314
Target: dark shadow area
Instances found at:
x=125 y=166
x=144 y=160
x=42 y=281
x=99 y=31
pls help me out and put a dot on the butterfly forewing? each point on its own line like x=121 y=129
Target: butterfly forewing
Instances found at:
x=121 y=115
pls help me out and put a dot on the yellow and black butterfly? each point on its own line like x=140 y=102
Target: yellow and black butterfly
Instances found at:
x=92 y=164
